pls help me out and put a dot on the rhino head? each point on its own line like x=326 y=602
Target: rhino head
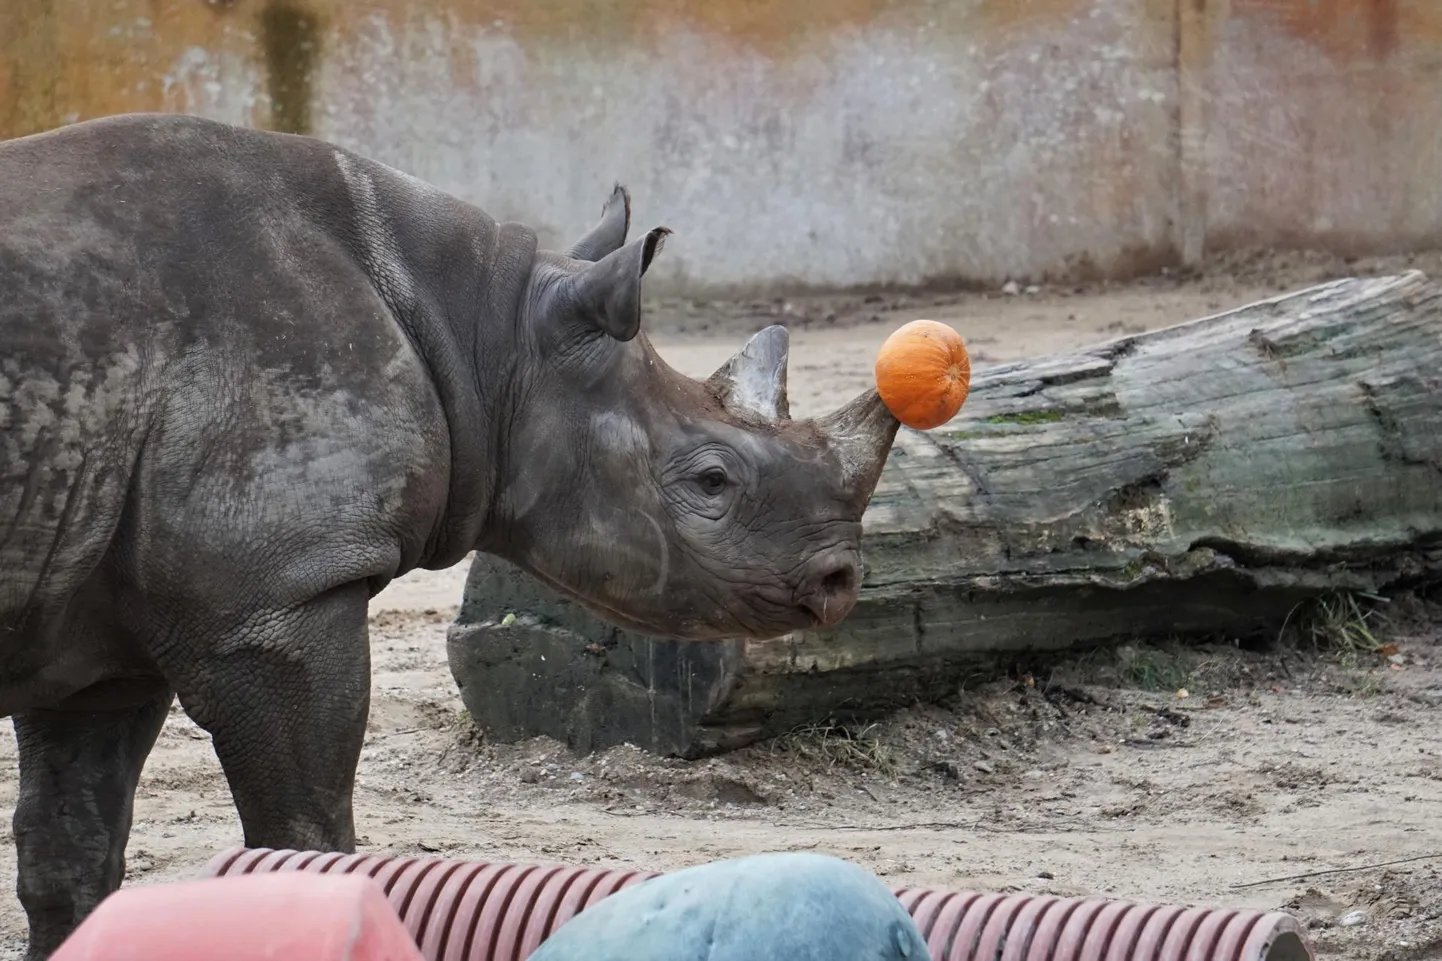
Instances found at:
x=665 y=505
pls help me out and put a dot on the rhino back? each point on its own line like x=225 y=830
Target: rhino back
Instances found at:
x=214 y=362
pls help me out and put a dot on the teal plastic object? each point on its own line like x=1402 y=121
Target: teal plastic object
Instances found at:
x=797 y=907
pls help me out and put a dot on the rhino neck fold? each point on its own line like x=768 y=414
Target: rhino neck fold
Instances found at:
x=487 y=327
x=454 y=280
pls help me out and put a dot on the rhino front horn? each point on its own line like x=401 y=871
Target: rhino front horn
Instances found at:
x=753 y=381
x=861 y=434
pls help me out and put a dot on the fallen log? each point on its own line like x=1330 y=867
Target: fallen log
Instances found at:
x=1198 y=480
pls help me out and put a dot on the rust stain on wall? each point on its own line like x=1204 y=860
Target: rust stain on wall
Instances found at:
x=1353 y=31
x=71 y=60
x=768 y=26
x=1007 y=13
x=290 y=36
x=1323 y=131
x=773 y=28
x=98 y=57
x=30 y=94
x=1034 y=133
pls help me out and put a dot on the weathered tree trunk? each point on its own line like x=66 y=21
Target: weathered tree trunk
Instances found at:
x=1196 y=480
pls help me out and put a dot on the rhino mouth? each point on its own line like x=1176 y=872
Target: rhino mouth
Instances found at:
x=726 y=624
x=622 y=620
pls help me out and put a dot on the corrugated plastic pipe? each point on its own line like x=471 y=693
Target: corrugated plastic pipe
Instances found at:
x=489 y=911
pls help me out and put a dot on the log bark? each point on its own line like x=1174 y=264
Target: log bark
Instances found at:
x=1197 y=480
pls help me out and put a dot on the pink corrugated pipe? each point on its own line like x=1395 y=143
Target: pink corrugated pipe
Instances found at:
x=494 y=911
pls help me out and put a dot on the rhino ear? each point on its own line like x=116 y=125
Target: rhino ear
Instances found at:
x=610 y=231
x=754 y=380
x=607 y=293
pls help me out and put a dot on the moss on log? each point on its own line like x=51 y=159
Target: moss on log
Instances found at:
x=1197 y=480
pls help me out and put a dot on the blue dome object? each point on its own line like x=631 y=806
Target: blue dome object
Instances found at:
x=786 y=907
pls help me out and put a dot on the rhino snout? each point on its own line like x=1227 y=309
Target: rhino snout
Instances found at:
x=829 y=586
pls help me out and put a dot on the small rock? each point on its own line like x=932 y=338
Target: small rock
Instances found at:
x=428 y=846
x=577 y=776
x=946 y=769
x=1046 y=875
x=1353 y=918
x=1011 y=288
x=984 y=767
x=1033 y=289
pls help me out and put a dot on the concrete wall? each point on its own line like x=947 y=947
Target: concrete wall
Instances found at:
x=824 y=144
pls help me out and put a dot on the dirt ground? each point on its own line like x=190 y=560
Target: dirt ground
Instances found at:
x=1149 y=773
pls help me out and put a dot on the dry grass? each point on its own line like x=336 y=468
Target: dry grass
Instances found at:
x=1337 y=623
x=834 y=745
x=1339 y=627
x=1139 y=666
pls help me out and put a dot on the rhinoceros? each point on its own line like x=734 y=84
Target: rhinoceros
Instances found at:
x=248 y=378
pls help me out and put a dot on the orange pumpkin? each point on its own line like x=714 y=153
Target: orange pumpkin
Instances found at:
x=923 y=374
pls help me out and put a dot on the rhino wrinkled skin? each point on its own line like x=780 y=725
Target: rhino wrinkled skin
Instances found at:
x=247 y=379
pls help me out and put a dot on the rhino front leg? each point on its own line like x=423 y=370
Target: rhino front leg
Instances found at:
x=285 y=698
x=78 y=771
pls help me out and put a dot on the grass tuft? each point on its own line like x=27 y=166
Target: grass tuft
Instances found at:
x=837 y=744
x=1149 y=668
x=1339 y=626
x=1334 y=623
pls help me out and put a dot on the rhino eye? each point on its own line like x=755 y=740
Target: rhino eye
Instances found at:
x=712 y=481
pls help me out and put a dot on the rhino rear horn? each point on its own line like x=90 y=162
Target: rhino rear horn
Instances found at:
x=753 y=381
x=609 y=233
x=607 y=293
x=860 y=434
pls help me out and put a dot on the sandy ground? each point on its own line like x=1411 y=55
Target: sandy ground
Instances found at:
x=1087 y=777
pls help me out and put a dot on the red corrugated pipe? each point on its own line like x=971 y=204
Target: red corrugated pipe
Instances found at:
x=485 y=911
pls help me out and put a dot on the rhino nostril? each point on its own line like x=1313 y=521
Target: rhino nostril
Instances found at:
x=828 y=594
x=839 y=581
